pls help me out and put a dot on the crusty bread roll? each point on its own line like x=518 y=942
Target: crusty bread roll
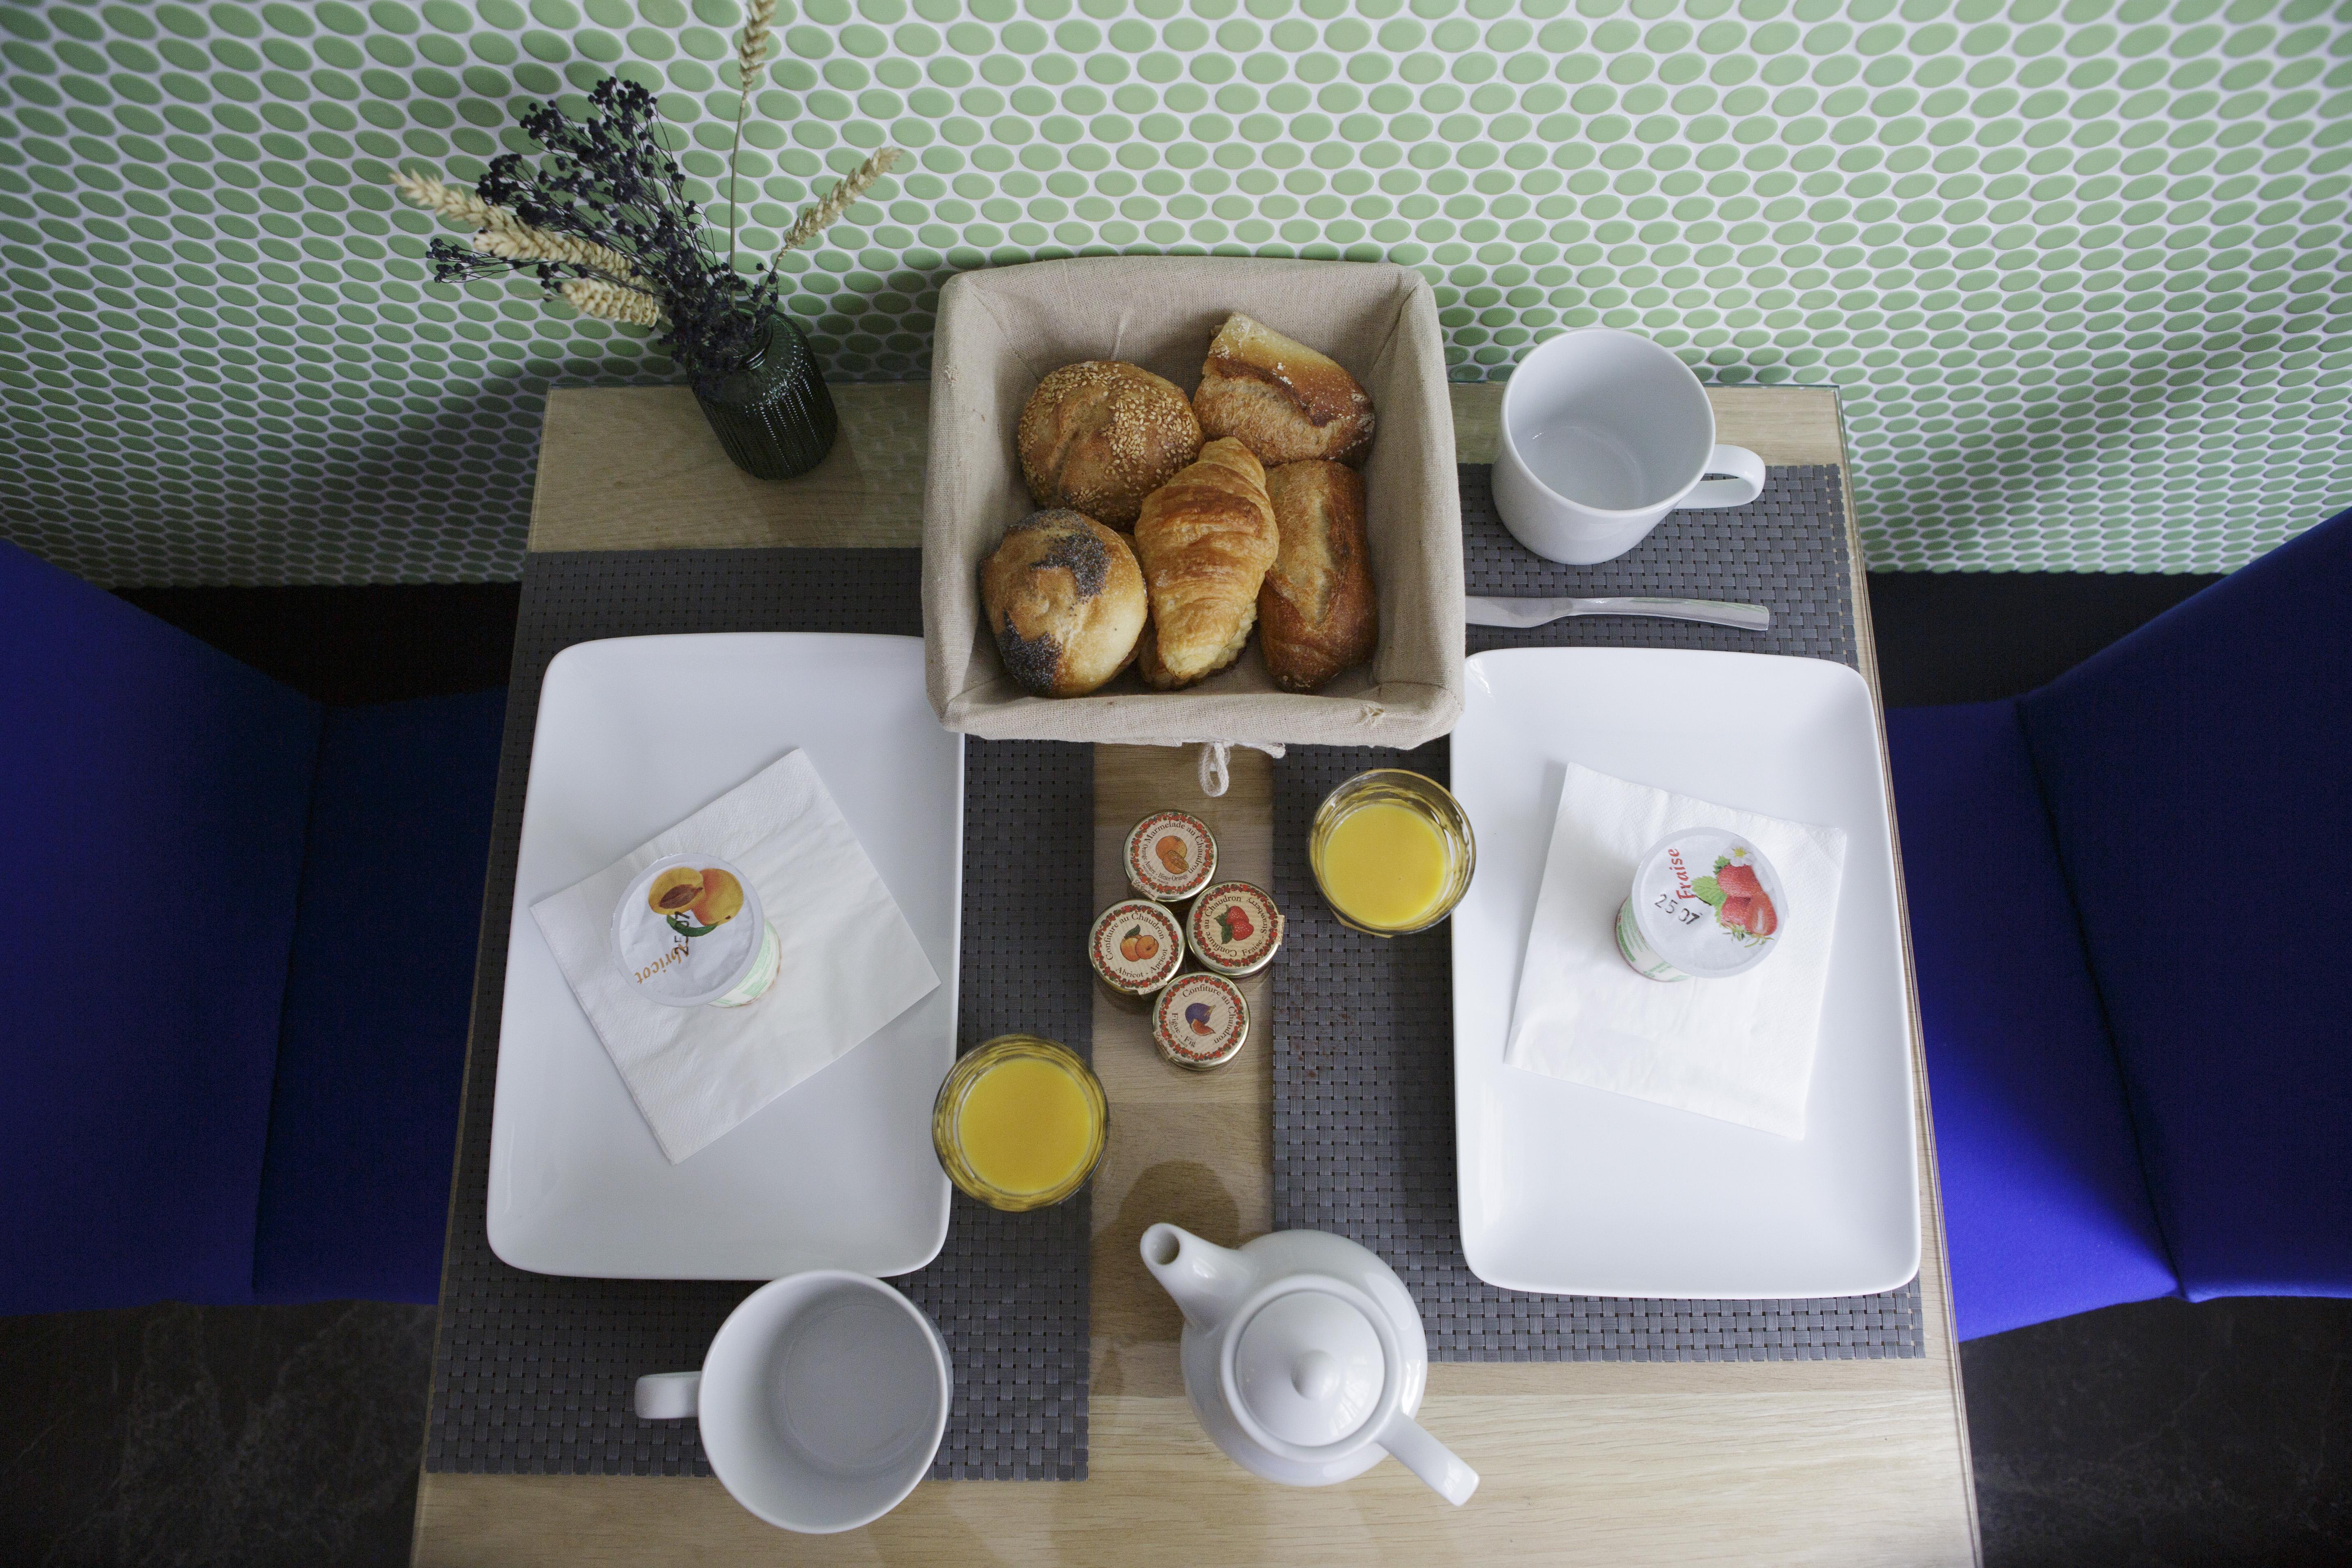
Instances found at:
x=1064 y=600
x=1206 y=538
x=1317 y=612
x=1281 y=399
x=1100 y=435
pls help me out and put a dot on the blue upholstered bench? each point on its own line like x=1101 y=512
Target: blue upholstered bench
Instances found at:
x=242 y=928
x=2132 y=971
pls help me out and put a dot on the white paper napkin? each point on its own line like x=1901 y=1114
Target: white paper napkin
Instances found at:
x=1741 y=1049
x=851 y=963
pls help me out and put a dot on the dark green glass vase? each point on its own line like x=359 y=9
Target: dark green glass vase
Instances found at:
x=772 y=413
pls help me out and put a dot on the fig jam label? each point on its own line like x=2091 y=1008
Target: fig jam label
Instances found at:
x=1705 y=904
x=688 y=931
x=1235 y=928
x=1201 y=1021
x=1170 y=857
x=1136 y=946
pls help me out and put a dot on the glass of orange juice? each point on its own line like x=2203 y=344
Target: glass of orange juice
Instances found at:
x=1393 y=852
x=1020 y=1123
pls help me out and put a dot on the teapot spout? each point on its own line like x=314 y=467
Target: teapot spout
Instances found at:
x=1207 y=1280
x=1430 y=1459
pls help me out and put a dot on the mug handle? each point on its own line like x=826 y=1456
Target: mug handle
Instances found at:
x=1746 y=483
x=669 y=1395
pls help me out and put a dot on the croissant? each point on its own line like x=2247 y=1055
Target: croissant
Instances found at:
x=1206 y=538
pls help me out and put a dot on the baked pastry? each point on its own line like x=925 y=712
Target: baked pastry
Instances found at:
x=1064 y=601
x=1281 y=399
x=1206 y=538
x=1100 y=435
x=1317 y=612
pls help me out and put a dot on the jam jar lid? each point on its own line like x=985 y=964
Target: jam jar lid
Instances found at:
x=1201 y=1021
x=1136 y=946
x=1235 y=927
x=1170 y=856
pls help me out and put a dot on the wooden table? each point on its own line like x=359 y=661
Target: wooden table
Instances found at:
x=1846 y=1462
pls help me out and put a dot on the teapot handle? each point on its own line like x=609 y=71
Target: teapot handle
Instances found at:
x=1430 y=1459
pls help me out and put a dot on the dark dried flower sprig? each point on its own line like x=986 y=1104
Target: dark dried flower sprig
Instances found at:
x=603 y=219
x=603 y=222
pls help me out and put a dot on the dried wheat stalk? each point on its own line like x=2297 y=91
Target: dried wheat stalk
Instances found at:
x=613 y=302
x=453 y=201
x=523 y=243
x=750 y=53
x=814 y=220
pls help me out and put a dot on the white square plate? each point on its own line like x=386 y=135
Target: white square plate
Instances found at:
x=635 y=734
x=1570 y=1190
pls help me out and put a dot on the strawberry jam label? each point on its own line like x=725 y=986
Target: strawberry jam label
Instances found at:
x=1705 y=905
x=1136 y=946
x=1201 y=1021
x=1235 y=927
x=1170 y=857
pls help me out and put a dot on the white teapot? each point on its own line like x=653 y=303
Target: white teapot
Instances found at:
x=1304 y=1357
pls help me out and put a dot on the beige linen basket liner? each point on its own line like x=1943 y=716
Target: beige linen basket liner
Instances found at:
x=1000 y=331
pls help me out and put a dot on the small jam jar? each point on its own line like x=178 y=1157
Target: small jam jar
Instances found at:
x=1170 y=856
x=1136 y=947
x=1235 y=928
x=1201 y=1021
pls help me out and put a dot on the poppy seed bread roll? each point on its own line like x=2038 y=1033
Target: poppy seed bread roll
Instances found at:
x=1281 y=399
x=1206 y=538
x=1100 y=435
x=1317 y=614
x=1064 y=601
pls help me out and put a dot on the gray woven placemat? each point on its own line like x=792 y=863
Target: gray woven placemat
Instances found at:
x=1364 y=1029
x=532 y=1372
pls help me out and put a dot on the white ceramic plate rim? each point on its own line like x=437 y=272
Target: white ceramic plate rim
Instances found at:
x=1674 y=1184
x=586 y=1130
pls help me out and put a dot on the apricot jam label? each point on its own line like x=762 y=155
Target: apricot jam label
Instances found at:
x=688 y=929
x=1170 y=857
x=1136 y=946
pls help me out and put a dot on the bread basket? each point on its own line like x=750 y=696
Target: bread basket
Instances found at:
x=1002 y=330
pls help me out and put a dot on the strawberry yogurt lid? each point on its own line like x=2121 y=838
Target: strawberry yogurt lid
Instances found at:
x=1136 y=946
x=688 y=931
x=1708 y=902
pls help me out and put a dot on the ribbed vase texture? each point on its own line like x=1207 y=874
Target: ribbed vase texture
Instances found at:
x=773 y=416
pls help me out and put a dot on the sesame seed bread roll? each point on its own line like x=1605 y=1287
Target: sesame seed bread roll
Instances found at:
x=1281 y=399
x=1100 y=435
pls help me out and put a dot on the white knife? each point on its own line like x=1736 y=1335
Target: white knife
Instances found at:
x=1536 y=611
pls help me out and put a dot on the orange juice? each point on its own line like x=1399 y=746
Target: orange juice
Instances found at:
x=1385 y=864
x=1027 y=1126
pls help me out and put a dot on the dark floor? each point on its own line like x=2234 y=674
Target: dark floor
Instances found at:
x=2158 y=1434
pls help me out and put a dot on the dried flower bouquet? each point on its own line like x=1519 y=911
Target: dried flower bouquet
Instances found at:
x=603 y=222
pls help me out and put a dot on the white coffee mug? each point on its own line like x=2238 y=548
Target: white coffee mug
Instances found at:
x=823 y=1400
x=1604 y=434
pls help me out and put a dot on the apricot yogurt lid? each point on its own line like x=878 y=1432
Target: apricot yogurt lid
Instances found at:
x=1170 y=856
x=688 y=931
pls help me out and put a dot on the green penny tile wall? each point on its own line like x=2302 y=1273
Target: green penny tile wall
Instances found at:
x=2078 y=266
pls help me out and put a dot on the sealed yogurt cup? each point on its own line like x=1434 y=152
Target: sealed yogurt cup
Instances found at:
x=1705 y=905
x=689 y=933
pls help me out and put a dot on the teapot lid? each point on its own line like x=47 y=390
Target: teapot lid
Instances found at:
x=1309 y=1368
